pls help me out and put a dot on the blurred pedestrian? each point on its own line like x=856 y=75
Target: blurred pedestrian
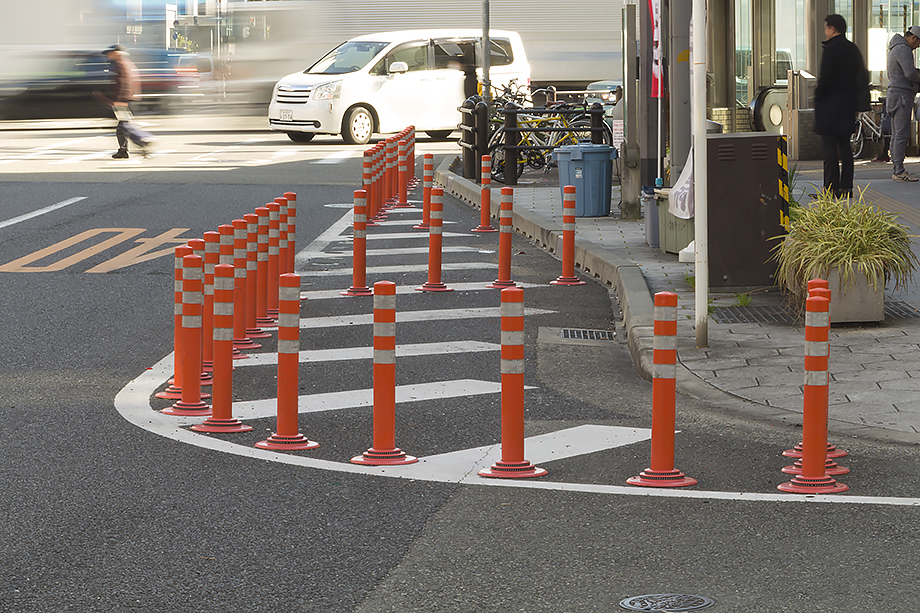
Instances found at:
x=841 y=93
x=125 y=87
x=902 y=87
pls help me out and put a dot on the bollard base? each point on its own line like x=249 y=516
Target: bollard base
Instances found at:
x=267 y=322
x=422 y=226
x=502 y=284
x=513 y=470
x=832 y=452
x=285 y=442
x=384 y=457
x=651 y=478
x=830 y=468
x=568 y=281
x=221 y=425
x=812 y=485
x=483 y=229
x=245 y=343
x=175 y=393
x=357 y=291
x=188 y=409
x=257 y=333
x=434 y=287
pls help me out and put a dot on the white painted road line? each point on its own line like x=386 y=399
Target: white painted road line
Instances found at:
x=464 y=465
x=366 y=353
x=401 y=251
x=393 y=270
x=338 y=156
x=355 y=399
x=408 y=235
x=411 y=316
x=474 y=286
x=133 y=403
x=47 y=209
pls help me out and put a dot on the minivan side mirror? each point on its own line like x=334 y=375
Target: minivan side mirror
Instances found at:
x=399 y=67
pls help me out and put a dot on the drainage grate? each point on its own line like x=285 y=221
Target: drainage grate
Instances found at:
x=900 y=310
x=783 y=315
x=753 y=315
x=588 y=335
x=666 y=602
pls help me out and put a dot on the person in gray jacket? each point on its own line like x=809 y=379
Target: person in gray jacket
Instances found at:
x=903 y=79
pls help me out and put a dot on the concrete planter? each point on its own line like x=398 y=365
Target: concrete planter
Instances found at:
x=858 y=303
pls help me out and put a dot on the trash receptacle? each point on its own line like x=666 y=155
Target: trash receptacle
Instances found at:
x=590 y=169
x=650 y=210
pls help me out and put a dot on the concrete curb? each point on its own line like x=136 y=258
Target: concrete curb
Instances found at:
x=611 y=270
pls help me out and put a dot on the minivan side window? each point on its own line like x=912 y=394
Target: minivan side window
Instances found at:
x=414 y=54
x=448 y=52
x=501 y=53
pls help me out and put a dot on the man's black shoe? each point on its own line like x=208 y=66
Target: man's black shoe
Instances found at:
x=121 y=154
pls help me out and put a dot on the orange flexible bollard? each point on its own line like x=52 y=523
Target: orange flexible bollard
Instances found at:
x=221 y=419
x=392 y=170
x=662 y=473
x=402 y=175
x=291 y=198
x=174 y=391
x=198 y=248
x=512 y=465
x=384 y=451
x=226 y=256
x=413 y=180
x=240 y=340
x=262 y=318
x=506 y=228
x=485 y=197
x=252 y=276
x=434 y=283
x=274 y=216
x=211 y=259
x=367 y=184
x=191 y=403
x=288 y=435
x=359 y=249
x=817 y=287
x=282 y=235
x=814 y=479
x=568 y=239
x=427 y=184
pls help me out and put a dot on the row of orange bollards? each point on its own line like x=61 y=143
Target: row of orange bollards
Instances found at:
x=386 y=177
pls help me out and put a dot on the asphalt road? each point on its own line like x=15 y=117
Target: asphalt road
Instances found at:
x=102 y=515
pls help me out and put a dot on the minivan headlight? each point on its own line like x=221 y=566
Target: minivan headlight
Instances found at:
x=328 y=91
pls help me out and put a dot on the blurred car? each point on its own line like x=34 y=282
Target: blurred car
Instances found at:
x=167 y=76
x=209 y=71
x=59 y=84
x=608 y=94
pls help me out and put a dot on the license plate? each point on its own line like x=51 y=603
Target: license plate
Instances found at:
x=287 y=115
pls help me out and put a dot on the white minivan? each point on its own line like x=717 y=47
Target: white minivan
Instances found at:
x=382 y=83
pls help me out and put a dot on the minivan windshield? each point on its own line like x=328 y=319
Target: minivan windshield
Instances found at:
x=347 y=57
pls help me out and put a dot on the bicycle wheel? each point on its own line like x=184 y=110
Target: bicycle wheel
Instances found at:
x=857 y=140
x=497 y=153
x=582 y=132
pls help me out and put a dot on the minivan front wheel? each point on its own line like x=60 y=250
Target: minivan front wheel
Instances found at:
x=358 y=126
x=300 y=137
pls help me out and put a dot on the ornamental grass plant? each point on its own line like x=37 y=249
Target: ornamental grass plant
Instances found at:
x=850 y=235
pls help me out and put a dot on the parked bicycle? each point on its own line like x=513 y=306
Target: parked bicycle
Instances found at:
x=540 y=133
x=866 y=128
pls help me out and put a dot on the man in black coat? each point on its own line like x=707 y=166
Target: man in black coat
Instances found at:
x=842 y=92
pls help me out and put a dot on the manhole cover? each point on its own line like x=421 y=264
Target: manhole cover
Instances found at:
x=588 y=335
x=666 y=602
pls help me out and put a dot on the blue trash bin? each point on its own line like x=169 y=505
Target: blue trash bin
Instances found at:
x=590 y=169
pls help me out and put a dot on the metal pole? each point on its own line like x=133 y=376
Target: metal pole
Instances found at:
x=700 y=172
x=486 y=54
